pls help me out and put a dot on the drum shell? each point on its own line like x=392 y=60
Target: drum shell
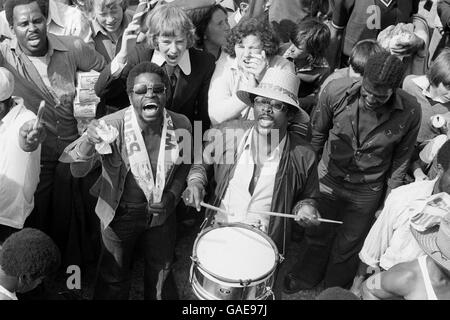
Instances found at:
x=208 y=286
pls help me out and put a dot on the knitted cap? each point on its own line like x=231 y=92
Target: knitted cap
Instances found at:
x=384 y=69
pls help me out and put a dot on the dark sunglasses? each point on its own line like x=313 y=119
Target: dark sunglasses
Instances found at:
x=142 y=88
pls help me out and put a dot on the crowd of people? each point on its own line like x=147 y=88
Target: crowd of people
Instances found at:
x=324 y=122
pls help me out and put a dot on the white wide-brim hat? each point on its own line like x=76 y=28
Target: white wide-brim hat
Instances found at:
x=277 y=84
x=6 y=84
x=435 y=242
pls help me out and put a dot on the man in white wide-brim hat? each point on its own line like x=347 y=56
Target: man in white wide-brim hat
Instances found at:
x=270 y=168
x=425 y=278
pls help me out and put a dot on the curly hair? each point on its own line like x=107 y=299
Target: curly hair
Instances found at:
x=147 y=67
x=169 y=20
x=202 y=23
x=314 y=34
x=258 y=27
x=11 y=4
x=29 y=252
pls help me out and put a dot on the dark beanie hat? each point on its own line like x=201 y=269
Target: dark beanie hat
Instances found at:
x=384 y=69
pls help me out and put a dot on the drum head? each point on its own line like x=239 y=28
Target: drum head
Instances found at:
x=236 y=253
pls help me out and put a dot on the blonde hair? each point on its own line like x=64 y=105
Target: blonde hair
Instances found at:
x=168 y=20
x=104 y=3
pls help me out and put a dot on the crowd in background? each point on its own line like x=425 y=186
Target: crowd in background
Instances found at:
x=359 y=89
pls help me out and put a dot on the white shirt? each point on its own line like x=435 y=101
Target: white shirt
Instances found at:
x=390 y=240
x=237 y=198
x=6 y=294
x=423 y=83
x=19 y=170
x=432 y=148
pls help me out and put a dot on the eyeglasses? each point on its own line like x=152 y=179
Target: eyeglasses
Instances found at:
x=273 y=104
x=142 y=88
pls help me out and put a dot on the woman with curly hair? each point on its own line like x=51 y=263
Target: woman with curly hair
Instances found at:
x=212 y=30
x=251 y=49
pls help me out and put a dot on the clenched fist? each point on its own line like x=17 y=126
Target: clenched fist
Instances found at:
x=30 y=137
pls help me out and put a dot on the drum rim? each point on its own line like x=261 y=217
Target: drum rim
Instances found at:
x=240 y=225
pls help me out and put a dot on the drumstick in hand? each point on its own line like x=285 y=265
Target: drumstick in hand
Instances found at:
x=293 y=216
x=40 y=113
x=215 y=208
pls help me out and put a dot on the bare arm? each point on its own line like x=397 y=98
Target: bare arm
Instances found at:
x=394 y=283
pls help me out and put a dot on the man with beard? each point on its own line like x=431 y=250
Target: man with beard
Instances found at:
x=44 y=66
x=134 y=207
x=365 y=132
x=268 y=169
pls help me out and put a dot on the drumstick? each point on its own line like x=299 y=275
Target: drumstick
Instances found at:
x=215 y=208
x=285 y=215
x=40 y=113
x=293 y=216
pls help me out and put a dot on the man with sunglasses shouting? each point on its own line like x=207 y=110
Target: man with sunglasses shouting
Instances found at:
x=365 y=132
x=143 y=176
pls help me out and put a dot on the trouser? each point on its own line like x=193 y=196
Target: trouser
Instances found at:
x=5 y=232
x=64 y=210
x=129 y=228
x=331 y=252
x=53 y=202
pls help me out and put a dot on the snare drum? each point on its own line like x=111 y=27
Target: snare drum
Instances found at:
x=233 y=262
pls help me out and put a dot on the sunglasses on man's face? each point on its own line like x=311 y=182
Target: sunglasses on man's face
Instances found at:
x=273 y=104
x=142 y=88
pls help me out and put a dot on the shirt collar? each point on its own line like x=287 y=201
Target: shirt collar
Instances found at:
x=233 y=63
x=54 y=13
x=184 y=63
x=394 y=102
x=423 y=83
x=322 y=63
x=276 y=153
x=8 y=293
x=237 y=16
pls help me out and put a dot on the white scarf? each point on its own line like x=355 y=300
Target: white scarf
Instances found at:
x=138 y=156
